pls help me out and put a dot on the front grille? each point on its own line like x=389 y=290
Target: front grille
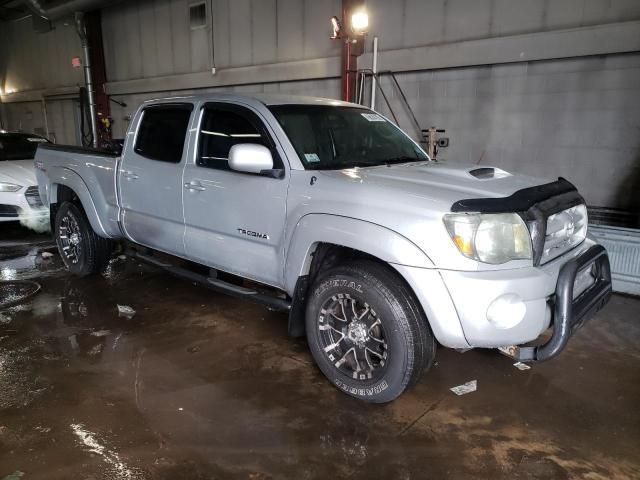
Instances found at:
x=565 y=230
x=9 y=211
x=33 y=197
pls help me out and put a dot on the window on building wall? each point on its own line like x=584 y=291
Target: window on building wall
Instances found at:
x=198 y=15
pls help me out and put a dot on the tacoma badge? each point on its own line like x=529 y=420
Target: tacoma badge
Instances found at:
x=251 y=233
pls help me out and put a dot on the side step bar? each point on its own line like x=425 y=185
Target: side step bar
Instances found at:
x=271 y=301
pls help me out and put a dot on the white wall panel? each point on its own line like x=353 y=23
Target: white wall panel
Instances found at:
x=544 y=117
x=39 y=60
x=290 y=37
x=264 y=25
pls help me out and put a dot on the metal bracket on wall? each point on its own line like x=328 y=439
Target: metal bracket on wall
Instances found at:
x=364 y=74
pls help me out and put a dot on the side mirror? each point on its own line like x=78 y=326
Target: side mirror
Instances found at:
x=250 y=158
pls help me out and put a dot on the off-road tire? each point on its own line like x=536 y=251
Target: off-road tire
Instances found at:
x=410 y=343
x=93 y=252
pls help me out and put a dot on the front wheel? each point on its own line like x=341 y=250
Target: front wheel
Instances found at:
x=366 y=332
x=82 y=250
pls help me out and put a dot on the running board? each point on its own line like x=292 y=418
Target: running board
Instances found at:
x=271 y=301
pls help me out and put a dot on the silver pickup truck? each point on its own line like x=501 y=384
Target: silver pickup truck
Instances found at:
x=327 y=210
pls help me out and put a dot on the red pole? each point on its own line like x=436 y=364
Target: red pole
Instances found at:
x=350 y=50
x=347 y=58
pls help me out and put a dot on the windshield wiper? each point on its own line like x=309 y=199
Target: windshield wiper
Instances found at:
x=402 y=159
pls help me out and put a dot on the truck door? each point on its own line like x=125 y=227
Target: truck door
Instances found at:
x=150 y=178
x=234 y=221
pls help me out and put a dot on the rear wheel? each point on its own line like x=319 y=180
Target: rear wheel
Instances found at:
x=366 y=331
x=82 y=250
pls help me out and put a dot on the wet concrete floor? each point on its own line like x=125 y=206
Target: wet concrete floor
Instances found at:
x=198 y=385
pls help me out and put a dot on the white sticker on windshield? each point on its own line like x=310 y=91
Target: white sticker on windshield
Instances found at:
x=372 y=117
x=37 y=140
x=312 y=157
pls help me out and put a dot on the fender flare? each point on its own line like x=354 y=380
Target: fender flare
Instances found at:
x=69 y=178
x=373 y=239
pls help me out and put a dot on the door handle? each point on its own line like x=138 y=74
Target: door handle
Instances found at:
x=129 y=175
x=194 y=187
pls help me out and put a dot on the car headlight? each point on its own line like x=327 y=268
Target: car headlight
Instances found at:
x=9 y=187
x=490 y=238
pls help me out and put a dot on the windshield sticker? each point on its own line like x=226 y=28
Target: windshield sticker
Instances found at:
x=38 y=140
x=312 y=157
x=373 y=117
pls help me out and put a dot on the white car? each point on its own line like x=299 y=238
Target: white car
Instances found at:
x=19 y=197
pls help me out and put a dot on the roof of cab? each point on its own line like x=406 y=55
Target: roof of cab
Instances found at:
x=264 y=98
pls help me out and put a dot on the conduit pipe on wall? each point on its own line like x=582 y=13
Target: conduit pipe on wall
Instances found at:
x=66 y=8
x=82 y=33
x=77 y=7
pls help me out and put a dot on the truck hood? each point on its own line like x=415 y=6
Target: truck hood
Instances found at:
x=409 y=199
x=439 y=183
x=19 y=172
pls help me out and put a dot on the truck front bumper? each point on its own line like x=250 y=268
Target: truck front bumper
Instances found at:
x=570 y=310
x=457 y=303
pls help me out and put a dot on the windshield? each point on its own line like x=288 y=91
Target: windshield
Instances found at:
x=332 y=138
x=18 y=146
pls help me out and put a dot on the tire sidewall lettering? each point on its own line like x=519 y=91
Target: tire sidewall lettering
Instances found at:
x=339 y=283
x=376 y=389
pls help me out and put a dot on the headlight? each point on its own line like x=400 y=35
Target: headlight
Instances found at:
x=9 y=187
x=490 y=238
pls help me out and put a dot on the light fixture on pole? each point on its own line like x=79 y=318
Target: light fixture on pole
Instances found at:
x=352 y=35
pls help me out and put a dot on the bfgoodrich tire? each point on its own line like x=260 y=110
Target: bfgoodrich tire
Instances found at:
x=366 y=332
x=82 y=250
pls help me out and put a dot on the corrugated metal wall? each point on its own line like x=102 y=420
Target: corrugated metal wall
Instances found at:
x=35 y=61
x=25 y=116
x=574 y=117
x=410 y=23
x=152 y=38
x=579 y=119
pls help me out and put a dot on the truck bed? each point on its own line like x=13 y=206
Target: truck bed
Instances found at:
x=90 y=172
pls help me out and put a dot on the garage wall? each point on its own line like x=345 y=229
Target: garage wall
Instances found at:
x=577 y=118
x=32 y=61
x=411 y=23
x=39 y=62
x=26 y=116
x=152 y=38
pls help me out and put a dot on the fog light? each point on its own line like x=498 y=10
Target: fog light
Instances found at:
x=506 y=311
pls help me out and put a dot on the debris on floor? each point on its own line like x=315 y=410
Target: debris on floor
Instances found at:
x=46 y=254
x=465 y=388
x=17 y=475
x=522 y=366
x=101 y=333
x=126 y=311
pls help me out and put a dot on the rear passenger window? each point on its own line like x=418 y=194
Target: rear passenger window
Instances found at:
x=162 y=132
x=223 y=128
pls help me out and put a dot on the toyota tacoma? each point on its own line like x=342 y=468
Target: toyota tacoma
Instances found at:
x=329 y=211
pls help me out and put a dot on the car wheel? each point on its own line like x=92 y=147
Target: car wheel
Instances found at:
x=366 y=331
x=82 y=250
